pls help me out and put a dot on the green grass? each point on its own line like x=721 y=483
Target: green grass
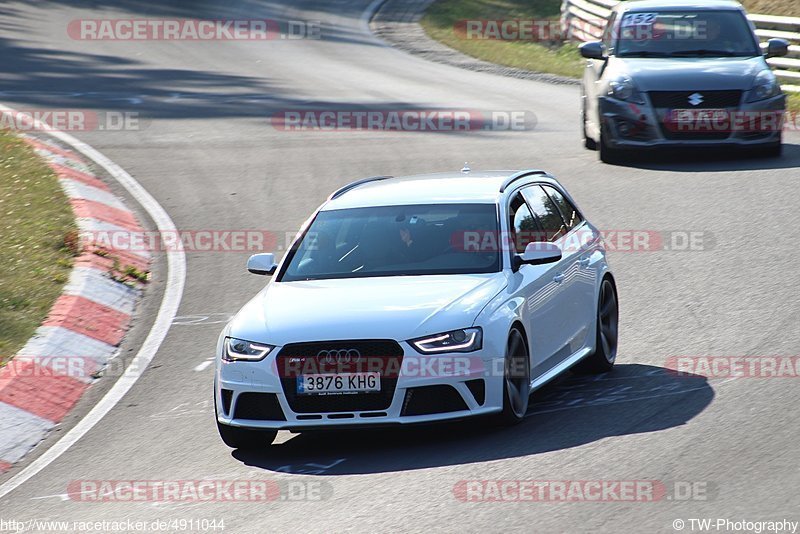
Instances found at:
x=37 y=242
x=562 y=59
x=794 y=102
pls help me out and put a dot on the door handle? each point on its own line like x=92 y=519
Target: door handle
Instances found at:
x=558 y=278
x=583 y=262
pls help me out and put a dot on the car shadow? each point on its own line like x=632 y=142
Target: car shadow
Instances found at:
x=570 y=412
x=712 y=160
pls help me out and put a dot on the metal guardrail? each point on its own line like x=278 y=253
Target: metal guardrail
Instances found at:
x=586 y=21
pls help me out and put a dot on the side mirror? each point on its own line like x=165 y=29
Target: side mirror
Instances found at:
x=262 y=264
x=537 y=254
x=777 y=48
x=593 y=50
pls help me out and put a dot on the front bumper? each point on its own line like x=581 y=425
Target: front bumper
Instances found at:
x=635 y=126
x=447 y=386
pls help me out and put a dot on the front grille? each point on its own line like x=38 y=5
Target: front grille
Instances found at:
x=387 y=353
x=428 y=400
x=693 y=136
x=258 y=407
x=711 y=99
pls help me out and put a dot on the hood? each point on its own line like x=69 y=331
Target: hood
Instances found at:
x=398 y=307
x=690 y=74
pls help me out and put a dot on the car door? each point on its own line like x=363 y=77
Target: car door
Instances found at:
x=537 y=286
x=567 y=317
x=581 y=240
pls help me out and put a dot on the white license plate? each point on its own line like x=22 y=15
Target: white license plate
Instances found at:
x=339 y=383
x=699 y=117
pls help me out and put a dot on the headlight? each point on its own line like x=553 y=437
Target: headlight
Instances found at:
x=764 y=86
x=465 y=340
x=241 y=350
x=623 y=88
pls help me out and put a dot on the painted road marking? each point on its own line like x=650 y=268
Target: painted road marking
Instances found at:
x=203 y=366
x=173 y=291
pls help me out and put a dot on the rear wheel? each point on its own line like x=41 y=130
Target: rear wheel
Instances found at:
x=516 y=380
x=605 y=352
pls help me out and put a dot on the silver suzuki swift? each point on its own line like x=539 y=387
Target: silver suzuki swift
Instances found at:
x=680 y=74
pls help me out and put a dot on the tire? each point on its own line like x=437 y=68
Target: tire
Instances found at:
x=609 y=155
x=606 y=334
x=516 y=380
x=242 y=438
x=588 y=142
x=770 y=151
x=245 y=438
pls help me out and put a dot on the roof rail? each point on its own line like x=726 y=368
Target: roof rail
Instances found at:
x=521 y=174
x=353 y=185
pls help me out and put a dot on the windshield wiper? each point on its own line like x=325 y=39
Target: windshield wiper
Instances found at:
x=644 y=53
x=705 y=52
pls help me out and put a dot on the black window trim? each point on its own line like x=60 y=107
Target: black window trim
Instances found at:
x=563 y=219
x=518 y=190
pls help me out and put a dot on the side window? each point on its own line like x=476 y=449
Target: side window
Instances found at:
x=570 y=215
x=609 y=34
x=546 y=211
x=524 y=228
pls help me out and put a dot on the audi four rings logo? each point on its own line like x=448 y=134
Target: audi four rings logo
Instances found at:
x=339 y=356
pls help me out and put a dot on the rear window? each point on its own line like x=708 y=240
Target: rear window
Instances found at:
x=568 y=212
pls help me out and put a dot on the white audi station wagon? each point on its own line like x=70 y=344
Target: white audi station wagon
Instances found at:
x=418 y=299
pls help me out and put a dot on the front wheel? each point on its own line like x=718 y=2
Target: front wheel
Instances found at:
x=605 y=350
x=588 y=142
x=516 y=380
x=770 y=151
x=245 y=438
x=609 y=155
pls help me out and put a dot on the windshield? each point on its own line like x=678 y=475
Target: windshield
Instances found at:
x=686 y=34
x=394 y=241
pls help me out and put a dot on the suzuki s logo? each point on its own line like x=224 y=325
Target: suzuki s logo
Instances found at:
x=696 y=99
x=339 y=356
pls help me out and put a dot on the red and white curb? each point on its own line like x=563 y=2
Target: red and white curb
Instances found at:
x=47 y=377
